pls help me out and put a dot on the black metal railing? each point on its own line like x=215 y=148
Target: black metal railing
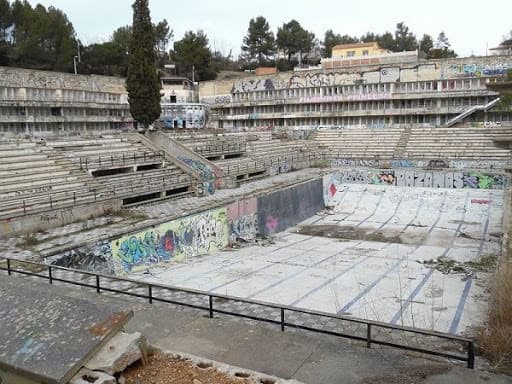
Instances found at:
x=118 y=159
x=148 y=291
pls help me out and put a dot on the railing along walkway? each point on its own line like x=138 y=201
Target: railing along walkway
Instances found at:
x=367 y=331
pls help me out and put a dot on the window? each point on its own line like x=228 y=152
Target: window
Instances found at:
x=351 y=53
x=365 y=52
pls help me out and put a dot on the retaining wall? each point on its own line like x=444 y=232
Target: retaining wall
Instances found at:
x=200 y=233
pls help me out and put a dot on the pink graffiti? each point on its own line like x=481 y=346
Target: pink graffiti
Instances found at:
x=480 y=201
x=332 y=190
x=272 y=223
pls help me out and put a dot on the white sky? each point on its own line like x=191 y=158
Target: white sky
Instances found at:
x=469 y=25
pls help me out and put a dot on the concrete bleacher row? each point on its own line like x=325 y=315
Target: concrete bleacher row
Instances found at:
x=30 y=178
x=413 y=143
x=245 y=156
x=41 y=176
x=457 y=143
x=358 y=143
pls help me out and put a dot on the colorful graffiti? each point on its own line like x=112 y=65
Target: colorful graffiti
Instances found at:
x=175 y=240
x=484 y=181
x=211 y=180
x=411 y=178
x=477 y=70
x=382 y=177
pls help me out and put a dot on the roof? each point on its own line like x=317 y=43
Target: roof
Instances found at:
x=355 y=45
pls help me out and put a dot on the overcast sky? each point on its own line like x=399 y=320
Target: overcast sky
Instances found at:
x=471 y=26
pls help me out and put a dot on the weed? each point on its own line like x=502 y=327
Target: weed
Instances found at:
x=29 y=240
x=496 y=338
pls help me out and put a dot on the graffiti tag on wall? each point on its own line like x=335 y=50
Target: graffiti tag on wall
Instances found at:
x=243 y=220
x=411 y=178
x=175 y=240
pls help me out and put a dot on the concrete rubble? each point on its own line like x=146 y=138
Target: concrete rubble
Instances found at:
x=86 y=376
x=121 y=351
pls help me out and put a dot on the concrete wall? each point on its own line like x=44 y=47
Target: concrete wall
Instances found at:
x=56 y=218
x=412 y=178
x=287 y=207
x=201 y=233
x=17 y=77
x=428 y=70
x=7 y=377
x=429 y=164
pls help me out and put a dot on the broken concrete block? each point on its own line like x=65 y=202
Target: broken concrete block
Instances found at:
x=120 y=351
x=86 y=376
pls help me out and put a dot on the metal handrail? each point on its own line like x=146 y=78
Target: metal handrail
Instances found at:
x=370 y=324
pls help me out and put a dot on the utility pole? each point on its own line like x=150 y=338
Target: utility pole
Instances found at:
x=77 y=58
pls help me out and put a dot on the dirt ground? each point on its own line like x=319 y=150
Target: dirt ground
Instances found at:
x=162 y=369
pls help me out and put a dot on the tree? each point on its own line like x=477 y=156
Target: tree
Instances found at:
x=163 y=34
x=142 y=83
x=106 y=59
x=404 y=39
x=426 y=44
x=332 y=39
x=193 y=51
x=292 y=38
x=387 y=41
x=259 y=43
x=441 y=48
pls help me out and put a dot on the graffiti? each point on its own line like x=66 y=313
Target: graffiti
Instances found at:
x=477 y=70
x=484 y=181
x=412 y=178
x=219 y=99
x=272 y=223
x=182 y=116
x=243 y=220
x=354 y=97
x=174 y=240
x=477 y=164
x=253 y=85
x=481 y=201
x=244 y=227
x=354 y=163
x=404 y=163
x=437 y=164
x=288 y=207
x=209 y=177
x=486 y=124
x=382 y=177
x=29 y=348
x=44 y=188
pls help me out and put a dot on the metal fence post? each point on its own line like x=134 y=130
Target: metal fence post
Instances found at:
x=368 y=335
x=50 y=278
x=150 y=293
x=97 y=283
x=9 y=267
x=282 y=319
x=210 y=300
x=471 y=355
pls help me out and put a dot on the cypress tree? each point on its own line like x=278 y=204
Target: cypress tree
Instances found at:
x=142 y=83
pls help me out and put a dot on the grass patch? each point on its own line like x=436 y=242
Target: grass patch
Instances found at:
x=496 y=338
x=30 y=240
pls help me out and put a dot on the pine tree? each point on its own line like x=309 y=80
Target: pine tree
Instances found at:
x=259 y=43
x=142 y=83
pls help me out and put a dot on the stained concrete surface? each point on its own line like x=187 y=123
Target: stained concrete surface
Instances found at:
x=47 y=336
x=307 y=357
x=374 y=254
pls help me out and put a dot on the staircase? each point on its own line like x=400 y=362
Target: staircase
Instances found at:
x=471 y=110
x=401 y=145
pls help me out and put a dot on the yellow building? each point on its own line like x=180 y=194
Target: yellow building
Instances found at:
x=357 y=50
